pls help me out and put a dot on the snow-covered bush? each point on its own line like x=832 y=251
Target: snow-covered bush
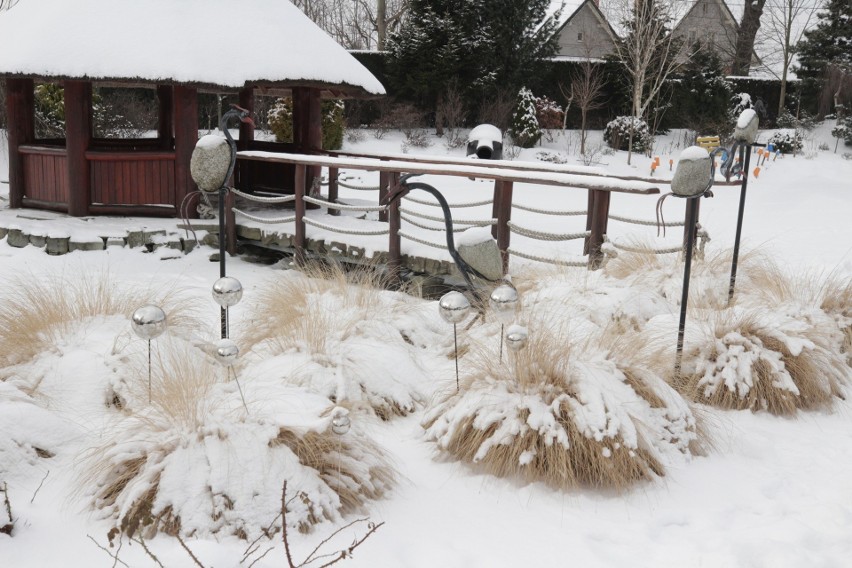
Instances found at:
x=843 y=130
x=788 y=141
x=548 y=113
x=739 y=103
x=310 y=330
x=617 y=134
x=804 y=121
x=525 y=129
x=333 y=122
x=564 y=411
x=194 y=461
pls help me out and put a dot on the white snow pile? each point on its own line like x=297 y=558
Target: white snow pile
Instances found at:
x=346 y=342
x=566 y=410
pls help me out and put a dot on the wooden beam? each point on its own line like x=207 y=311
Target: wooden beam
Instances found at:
x=78 y=137
x=600 y=215
x=394 y=242
x=384 y=189
x=185 y=117
x=20 y=114
x=332 y=190
x=300 y=214
x=165 y=124
x=503 y=207
x=246 y=130
x=307 y=130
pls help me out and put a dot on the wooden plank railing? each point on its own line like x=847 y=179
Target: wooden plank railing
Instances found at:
x=599 y=186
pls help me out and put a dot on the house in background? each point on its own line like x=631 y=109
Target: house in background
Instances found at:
x=585 y=33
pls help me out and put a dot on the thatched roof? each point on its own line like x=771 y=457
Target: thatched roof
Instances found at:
x=207 y=43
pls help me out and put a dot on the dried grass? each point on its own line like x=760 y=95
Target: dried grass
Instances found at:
x=545 y=371
x=187 y=412
x=36 y=312
x=817 y=376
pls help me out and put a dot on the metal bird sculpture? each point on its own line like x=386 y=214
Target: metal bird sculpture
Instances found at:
x=466 y=270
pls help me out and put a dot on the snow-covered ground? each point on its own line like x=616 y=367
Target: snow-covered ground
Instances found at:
x=771 y=491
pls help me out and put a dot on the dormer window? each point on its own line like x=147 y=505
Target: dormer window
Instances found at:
x=579 y=36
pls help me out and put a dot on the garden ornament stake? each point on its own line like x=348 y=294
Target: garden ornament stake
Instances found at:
x=148 y=322
x=691 y=182
x=212 y=166
x=744 y=136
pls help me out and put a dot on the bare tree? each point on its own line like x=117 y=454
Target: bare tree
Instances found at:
x=750 y=23
x=355 y=24
x=785 y=23
x=7 y=4
x=586 y=88
x=649 y=53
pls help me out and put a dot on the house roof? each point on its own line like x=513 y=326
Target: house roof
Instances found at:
x=572 y=7
x=207 y=43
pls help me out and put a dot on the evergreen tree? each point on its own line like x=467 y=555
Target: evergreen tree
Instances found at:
x=703 y=95
x=525 y=130
x=825 y=48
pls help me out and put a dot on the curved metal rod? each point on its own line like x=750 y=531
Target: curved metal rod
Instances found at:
x=244 y=116
x=465 y=269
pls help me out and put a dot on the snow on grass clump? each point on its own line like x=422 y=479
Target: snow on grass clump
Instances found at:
x=195 y=461
x=564 y=411
x=320 y=329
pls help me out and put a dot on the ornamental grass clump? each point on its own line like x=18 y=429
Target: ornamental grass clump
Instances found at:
x=565 y=412
x=315 y=329
x=36 y=311
x=196 y=462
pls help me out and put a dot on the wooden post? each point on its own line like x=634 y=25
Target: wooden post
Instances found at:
x=495 y=205
x=394 y=242
x=503 y=206
x=590 y=204
x=20 y=113
x=307 y=127
x=300 y=214
x=246 y=130
x=332 y=190
x=600 y=215
x=185 y=117
x=384 y=188
x=165 y=123
x=78 y=137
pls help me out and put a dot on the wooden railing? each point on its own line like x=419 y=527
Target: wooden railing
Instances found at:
x=598 y=185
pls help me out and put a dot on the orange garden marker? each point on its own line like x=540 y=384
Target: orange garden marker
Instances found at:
x=757 y=171
x=671 y=163
x=653 y=167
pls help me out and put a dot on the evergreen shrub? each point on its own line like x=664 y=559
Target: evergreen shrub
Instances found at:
x=333 y=124
x=617 y=134
x=525 y=129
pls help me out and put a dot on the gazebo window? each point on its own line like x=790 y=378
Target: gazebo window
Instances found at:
x=49 y=112
x=124 y=113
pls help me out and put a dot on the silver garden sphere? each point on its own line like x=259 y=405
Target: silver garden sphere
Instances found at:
x=504 y=303
x=340 y=421
x=148 y=322
x=227 y=291
x=517 y=337
x=453 y=307
x=226 y=352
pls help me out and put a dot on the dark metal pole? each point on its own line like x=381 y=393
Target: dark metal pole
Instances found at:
x=223 y=316
x=691 y=214
x=744 y=149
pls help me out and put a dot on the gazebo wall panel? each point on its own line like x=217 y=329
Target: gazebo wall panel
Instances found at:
x=133 y=181
x=45 y=177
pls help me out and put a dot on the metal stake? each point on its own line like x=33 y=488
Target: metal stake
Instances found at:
x=223 y=316
x=456 y=343
x=692 y=214
x=501 y=342
x=230 y=369
x=149 y=371
x=745 y=162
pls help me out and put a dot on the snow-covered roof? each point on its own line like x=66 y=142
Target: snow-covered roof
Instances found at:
x=218 y=43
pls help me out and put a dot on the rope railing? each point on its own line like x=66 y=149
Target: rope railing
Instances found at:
x=547 y=211
x=452 y=205
x=473 y=222
x=544 y=236
x=410 y=237
x=365 y=233
x=628 y=248
x=259 y=199
x=548 y=260
x=358 y=187
x=342 y=207
x=646 y=223
x=411 y=221
x=266 y=220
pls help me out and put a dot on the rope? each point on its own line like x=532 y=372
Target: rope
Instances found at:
x=455 y=221
x=428 y=228
x=542 y=236
x=628 y=248
x=257 y=198
x=556 y=261
x=547 y=211
x=315 y=223
x=645 y=223
x=330 y=205
x=359 y=188
x=421 y=241
x=452 y=205
x=269 y=220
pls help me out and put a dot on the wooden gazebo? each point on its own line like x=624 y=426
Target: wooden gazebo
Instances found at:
x=174 y=46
